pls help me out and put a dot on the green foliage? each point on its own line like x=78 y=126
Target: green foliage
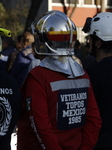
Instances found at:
x=3 y=16
x=14 y=19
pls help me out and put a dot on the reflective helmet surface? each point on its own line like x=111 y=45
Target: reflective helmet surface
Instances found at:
x=55 y=34
x=100 y=25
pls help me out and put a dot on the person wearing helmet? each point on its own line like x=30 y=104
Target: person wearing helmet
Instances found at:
x=59 y=108
x=10 y=103
x=100 y=29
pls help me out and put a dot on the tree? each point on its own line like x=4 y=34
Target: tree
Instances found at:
x=66 y=9
x=35 y=4
x=13 y=15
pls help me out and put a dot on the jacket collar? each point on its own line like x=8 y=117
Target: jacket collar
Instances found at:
x=63 y=64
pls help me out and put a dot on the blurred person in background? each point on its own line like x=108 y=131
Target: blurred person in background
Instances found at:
x=89 y=60
x=77 y=50
x=20 y=67
x=100 y=30
x=34 y=62
x=13 y=55
x=7 y=49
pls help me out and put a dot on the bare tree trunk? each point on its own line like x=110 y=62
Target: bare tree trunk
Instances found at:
x=64 y=7
x=35 y=4
x=75 y=5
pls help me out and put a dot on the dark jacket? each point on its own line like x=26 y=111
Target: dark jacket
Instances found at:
x=4 y=57
x=10 y=107
x=55 y=115
x=21 y=64
x=101 y=77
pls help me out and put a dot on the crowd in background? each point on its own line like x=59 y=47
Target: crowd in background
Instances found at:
x=18 y=56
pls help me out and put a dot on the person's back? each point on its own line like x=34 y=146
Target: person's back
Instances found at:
x=10 y=104
x=10 y=108
x=69 y=111
x=59 y=108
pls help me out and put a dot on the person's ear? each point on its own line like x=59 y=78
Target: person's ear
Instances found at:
x=98 y=43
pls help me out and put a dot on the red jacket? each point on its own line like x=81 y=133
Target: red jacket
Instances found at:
x=59 y=113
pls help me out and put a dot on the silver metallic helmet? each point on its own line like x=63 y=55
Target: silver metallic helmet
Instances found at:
x=55 y=34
